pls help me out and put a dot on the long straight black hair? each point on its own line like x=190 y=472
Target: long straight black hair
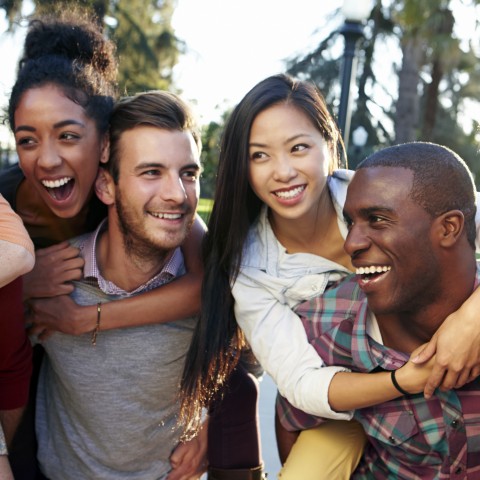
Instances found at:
x=217 y=341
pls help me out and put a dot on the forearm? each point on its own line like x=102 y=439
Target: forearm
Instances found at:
x=15 y=260
x=350 y=391
x=5 y=471
x=9 y=420
x=173 y=301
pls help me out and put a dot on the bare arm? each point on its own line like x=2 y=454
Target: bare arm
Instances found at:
x=457 y=347
x=15 y=261
x=178 y=299
x=350 y=390
x=16 y=248
x=5 y=471
x=9 y=420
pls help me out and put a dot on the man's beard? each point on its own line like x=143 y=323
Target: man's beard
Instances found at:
x=138 y=245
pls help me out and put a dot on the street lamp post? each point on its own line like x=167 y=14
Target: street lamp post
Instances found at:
x=355 y=12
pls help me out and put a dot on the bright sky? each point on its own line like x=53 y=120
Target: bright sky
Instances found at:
x=231 y=45
x=234 y=44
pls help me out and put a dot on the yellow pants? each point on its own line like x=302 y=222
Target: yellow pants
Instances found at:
x=328 y=452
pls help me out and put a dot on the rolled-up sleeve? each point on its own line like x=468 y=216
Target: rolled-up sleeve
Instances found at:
x=279 y=341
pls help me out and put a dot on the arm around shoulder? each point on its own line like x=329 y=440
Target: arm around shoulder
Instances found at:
x=278 y=340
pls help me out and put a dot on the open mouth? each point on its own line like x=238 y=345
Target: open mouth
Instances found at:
x=59 y=189
x=166 y=216
x=371 y=273
x=290 y=193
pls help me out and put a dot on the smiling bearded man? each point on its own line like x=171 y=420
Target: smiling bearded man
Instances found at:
x=413 y=244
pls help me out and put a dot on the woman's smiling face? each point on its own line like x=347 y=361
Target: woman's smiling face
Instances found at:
x=289 y=162
x=59 y=148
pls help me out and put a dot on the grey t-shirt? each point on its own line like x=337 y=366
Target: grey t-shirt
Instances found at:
x=110 y=411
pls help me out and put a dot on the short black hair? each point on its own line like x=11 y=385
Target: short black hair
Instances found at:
x=442 y=180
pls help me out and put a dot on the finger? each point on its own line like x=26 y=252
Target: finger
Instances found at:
x=425 y=353
x=475 y=372
x=434 y=380
x=35 y=330
x=449 y=380
x=45 y=334
x=463 y=378
x=42 y=252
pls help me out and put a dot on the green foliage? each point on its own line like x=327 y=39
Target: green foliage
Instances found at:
x=146 y=43
x=444 y=78
x=211 y=136
x=205 y=206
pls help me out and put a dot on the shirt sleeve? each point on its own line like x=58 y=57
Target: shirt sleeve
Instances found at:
x=15 y=349
x=279 y=341
x=11 y=227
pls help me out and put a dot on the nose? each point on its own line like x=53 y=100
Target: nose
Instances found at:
x=284 y=169
x=357 y=241
x=49 y=157
x=173 y=190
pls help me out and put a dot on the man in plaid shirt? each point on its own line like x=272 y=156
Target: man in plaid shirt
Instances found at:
x=411 y=216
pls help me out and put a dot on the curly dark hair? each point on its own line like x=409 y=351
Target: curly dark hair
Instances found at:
x=69 y=50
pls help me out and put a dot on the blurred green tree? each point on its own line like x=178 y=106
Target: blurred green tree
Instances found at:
x=146 y=43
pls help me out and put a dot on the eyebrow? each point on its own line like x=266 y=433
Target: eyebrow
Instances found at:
x=63 y=123
x=365 y=212
x=288 y=140
x=142 y=166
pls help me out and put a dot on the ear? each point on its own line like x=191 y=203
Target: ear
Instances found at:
x=105 y=187
x=450 y=227
x=105 y=148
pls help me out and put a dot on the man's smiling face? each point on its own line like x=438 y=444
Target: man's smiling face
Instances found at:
x=389 y=240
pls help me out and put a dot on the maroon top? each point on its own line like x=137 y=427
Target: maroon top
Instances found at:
x=15 y=348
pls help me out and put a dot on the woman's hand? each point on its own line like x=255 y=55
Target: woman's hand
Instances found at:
x=413 y=377
x=60 y=314
x=457 y=347
x=55 y=267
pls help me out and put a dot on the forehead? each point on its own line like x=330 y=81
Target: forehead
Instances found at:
x=279 y=117
x=48 y=102
x=149 y=144
x=380 y=187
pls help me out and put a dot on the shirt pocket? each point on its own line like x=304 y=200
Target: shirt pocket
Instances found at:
x=392 y=428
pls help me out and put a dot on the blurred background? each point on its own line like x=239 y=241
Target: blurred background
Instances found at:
x=417 y=74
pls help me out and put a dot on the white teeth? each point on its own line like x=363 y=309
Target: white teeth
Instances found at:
x=168 y=216
x=290 y=193
x=56 y=183
x=372 y=269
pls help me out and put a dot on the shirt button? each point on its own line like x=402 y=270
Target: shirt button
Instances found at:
x=314 y=288
x=455 y=424
x=392 y=439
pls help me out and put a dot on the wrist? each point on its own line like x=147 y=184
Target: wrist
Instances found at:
x=396 y=384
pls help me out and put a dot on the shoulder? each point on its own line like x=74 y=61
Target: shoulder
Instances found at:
x=10 y=179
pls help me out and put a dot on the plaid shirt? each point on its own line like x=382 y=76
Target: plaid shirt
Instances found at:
x=409 y=438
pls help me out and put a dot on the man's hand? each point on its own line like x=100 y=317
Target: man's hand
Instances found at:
x=55 y=267
x=59 y=314
x=457 y=347
x=189 y=459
